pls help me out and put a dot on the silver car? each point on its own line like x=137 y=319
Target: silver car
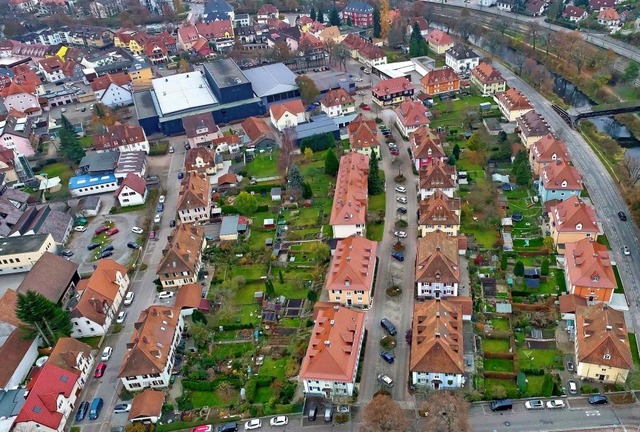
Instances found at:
x=534 y=404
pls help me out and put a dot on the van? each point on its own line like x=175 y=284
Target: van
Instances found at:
x=501 y=405
x=96 y=406
x=388 y=326
x=328 y=413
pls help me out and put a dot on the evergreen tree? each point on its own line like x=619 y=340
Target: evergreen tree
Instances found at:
x=456 y=151
x=518 y=269
x=41 y=316
x=269 y=289
x=376 y=23
x=334 y=17
x=521 y=169
x=452 y=159
x=280 y=276
x=415 y=32
x=294 y=178
x=312 y=14
x=376 y=186
x=320 y=17
x=349 y=22
x=307 y=193
x=70 y=146
x=331 y=163
x=504 y=261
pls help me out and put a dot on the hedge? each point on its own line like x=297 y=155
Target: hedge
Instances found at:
x=227 y=209
x=262 y=187
x=547 y=386
x=500 y=375
x=253 y=384
x=499 y=355
x=229 y=327
x=537 y=372
x=318 y=142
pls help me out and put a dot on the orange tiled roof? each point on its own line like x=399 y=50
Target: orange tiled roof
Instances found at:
x=439 y=209
x=183 y=250
x=294 y=107
x=119 y=134
x=256 y=128
x=573 y=215
x=66 y=352
x=350 y=198
x=437 y=175
x=426 y=144
x=412 y=113
x=609 y=14
x=437 y=259
x=438 y=37
x=392 y=86
x=438 y=76
x=337 y=97
x=103 y=82
x=548 y=149
x=589 y=265
x=560 y=175
x=194 y=191
x=352 y=265
x=602 y=337
x=514 y=99
x=487 y=74
x=363 y=133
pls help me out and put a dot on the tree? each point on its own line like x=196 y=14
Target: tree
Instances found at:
x=349 y=22
x=184 y=66
x=521 y=169
x=287 y=149
x=320 y=17
x=269 y=289
x=334 y=17
x=497 y=392
x=294 y=178
x=69 y=143
x=504 y=261
x=416 y=46
x=632 y=167
x=376 y=186
x=518 y=268
x=396 y=33
x=307 y=192
x=312 y=14
x=200 y=333
x=501 y=24
x=385 y=22
x=42 y=316
x=281 y=51
x=320 y=252
x=579 y=51
x=246 y=203
x=456 y=151
x=446 y=411
x=377 y=30
x=384 y=414
x=331 y=163
x=103 y=115
x=308 y=154
x=631 y=72
x=534 y=31
x=452 y=159
x=308 y=89
x=544 y=267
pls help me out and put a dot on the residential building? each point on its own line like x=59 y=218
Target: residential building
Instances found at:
x=438 y=176
x=506 y=5
x=547 y=150
x=8 y=161
x=532 y=127
x=513 y=104
x=359 y=12
x=146 y=406
x=574 y=13
x=265 y=12
x=439 y=41
x=288 y=114
x=352 y=271
x=330 y=364
x=187 y=35
x=337 y=103
x=363 y=136
x=42 y=219
x=392 y=91
x=182 y=258
x=17 y=133
x=425 y=147
x=132 y=191
x=113 y=90
x=140 y=74
x=437 y=266
x=602 y=347
x=588 y=271
x=22 y=98
x=51 y=67
x=53 y=277
x=410 y=115
x=354 y=43
x=559 y=181
x=371 y=55
x=100 y=298
x=488 y=80
x=423 y=25
x=437 y=351
x=258 y=131
x=201 y=160
x=461 y=58
x=439 y=213
x=121 y=137
x=13 y=204
x=439 y=81
x=73 y=356
x=600 y=5
x=149 y=361
x=331 y=33
x=572 y=220
x=217 y=10
x=201 y=129
x=20 y=254
x=131 y=162
x=219 y=31
x=609 y=17
x=349 y=207
x=194 y=198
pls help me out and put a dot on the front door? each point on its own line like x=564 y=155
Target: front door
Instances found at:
x=601 y=377
x=348 y=302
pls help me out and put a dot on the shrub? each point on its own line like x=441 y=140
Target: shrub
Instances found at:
x=518 y=269
x=262 y=208
x=227 y=209
x=318 y=142
x=547 y=385
x=544 y=268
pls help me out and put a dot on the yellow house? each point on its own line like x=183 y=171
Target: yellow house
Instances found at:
x=439 y=213
x=572 y=220
x=19 y=254
x=140 y=74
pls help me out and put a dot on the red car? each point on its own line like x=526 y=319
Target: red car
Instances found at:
x=100 y=370
x=102 y=229
x=366 y=108
x=152 y=235
x=113 y=231
x=395 y=152
x=202 y=428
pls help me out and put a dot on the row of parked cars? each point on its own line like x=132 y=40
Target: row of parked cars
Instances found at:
x=538 y=404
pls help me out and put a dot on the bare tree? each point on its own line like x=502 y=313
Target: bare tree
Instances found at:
x=428 y=12
x=341 y=54
x=534 y=31
x=286 y=151
x=632 y=166
x=446 y=411
x=518 y=59
x=579 y=51
x=384 y=414
x=495 y=41
x=329 y=46
x=501 y=24
x=465 y=27
x=396 y=33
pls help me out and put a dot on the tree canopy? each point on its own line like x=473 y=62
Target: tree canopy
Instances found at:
x=383 y=414
x=376 y=185
x=69 y=142
x=334 y=17
x=446 y=411
x=42 y=316
x=308 y=89
x=331 y=163
x=246 y=203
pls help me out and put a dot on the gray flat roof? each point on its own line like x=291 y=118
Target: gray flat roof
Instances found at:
x=328 y=80
x=271 y=79
x=144 y=105
x=317 y=125
x=229 y=225
x=11 y=401
x=226 y=73
x=22 y=244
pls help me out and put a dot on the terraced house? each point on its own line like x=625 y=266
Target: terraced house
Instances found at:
x=545 y=151
x=513 y=104
x=437 y=266
x=588 y=271
x=182 y=258
x=572 y=220
x=559 y=181
x=350 y=199
x=439 y=212
x=194 y=198
x=488 y=80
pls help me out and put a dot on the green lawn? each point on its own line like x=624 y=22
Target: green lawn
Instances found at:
x=620 y=288
x=500 y=324
x=534 y=385
x=273 y=368
x=485 y=238
x=495 y=345
x=86 y=142
x=263 y=165
x=603 y=240
x=377 y=202
x=263 y=394
x=539 y=358
x=509 y=385
x=498 y=365
x=223 y=352
x=91 y=341
x=213 y=398
x=62 y=170
x=313 y=173
x=634 y=349
x=375 y=231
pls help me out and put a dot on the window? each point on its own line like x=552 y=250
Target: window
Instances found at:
x=607 y=356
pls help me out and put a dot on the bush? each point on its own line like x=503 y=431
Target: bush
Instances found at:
x=262 y=208
x=238 y=326
x=547 y=386
x=227 y=209
x=518 y=269
x=544 y=268
x=318 y=142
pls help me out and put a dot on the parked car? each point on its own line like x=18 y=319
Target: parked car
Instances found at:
x=313 y=411
x=570 y=366
x=202 y=428
x=80 y=228
x=108 y=247
x=172 y=223
x=113 y=231
x=401 y=189
x=161 y=199
x=384 y=379
x=228 y=427
x=501 y=405
x=82 y=411
x=187 y=146
x=122 y=408
x=555 y=404
x=400 y=234
x=101 y=229
x=626 y=250
x=388 y=326
x=366 y=108
x=152 y=235
x=106 y=254
x=100 y=370
x=573 y=387
x=165 y=295
x=253 y=424
x=534 y=404
x=137 y=230
x=394 y=152
x=402 y=210
x=387 y=356
x=160 y=208
x=343 y=409
x=279 y=421
x=96 y=407
x=598 y=399
x=121 y=317
x=402 y=200
x=398 y=255
x=106 y=354
x=180 y=175
x=622 y=216
x=94 y=245
x=171 y=150
x=157 y=218
x=80 y=221
x=133 y=245
x=66 y=253
x=128 y=299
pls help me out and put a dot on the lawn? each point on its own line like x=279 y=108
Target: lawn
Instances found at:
x=620 y=289
x=603 y=240
x=375 y=231
x=227 y=351
x=273 y=368
x=634 y=349
x=485 y=237
x=64 y=171
x=263 y=394
x=539 y=358
x=534 y=384
x=86 y=142
x=263 y=165
x=213 y=398
x=500 y=324
x=495 y=345
x=498 y=365
x=377 y=202
x=92 y=341
x=509 y=385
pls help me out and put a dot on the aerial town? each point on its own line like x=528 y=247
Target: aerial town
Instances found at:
x=358 y=215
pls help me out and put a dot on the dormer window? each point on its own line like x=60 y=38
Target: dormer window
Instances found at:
x=607 y=356
x=595 y=278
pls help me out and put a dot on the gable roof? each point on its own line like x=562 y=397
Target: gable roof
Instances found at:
x=412 y=113
x=352 y=265
x=51 y=64
x=425 y=144
x=437 y=76
x=437 y=175
x=215 y=29
x=119 y=134
x=573 y=11
x=549 y=148
x=392 y=86
x=134 y=182
x=573 y=215
x=256 y=128
x=514 y=99
x=207 y=155
x=194 y=191
x=200 y=121
x=294 y=107
x=599 y=4
x=227 y=179
x=103 y=82
x=363 y=133
x=571 y=303
x=66 y=352
x=50 y=276
x=422 y=23
x=16 y=89
x=99 y=291
x=335 y=343
x=487 y=74
x=188 y=33
x=437 y=259
x=267 y=9
x=349 y=205
x=183 y=249
x=358 y=6
x=189 y=296
x=560 y=175
x=354 y=42
x=436 y=342
x=589 y=265
x=146 y=404
x=461 y=51
x=609 y=14
x=337 y=97
x=371 y=51
x=438 y=37
x=533 y=124
x=601 y=331
x=439 y=209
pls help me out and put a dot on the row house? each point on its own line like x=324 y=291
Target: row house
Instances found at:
x=559 y=181
x=488 y=79
x=439 y=213
x=426 y=147
x=410 y=115
x=182 y=258
x=203 y=160
x=363 y=136
x=570 y=221
x=220 y=32
x=438 y=176
x=351 y=273
x=201 y=129
x=132 y=191
x=350 y=199
x=93 y=37
x=151 y=351
x=547 y=150
x=439 y=81
x=352 y=42
x=532 y=127
x=359 y=12
x=512 y=104
x=330 y=365
x=439 y=41
x=588 y=271
x=113 y=90
x=437 y=266
x=337 y=103
x=194 y=198
x=288 y=114
x=461 y=58
x=372 y=55
x=392 y=91
x=121 y=137
x=100 y=298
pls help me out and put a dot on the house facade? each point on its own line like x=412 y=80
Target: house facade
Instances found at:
x=121 y=137
x=439 y=213
x=532 y=127
x=410 y=115
x=559 y=181
x=182 y=258
x=439 y=41
x=438 y=176
x=22 y=98
x=337 y=103
x=512 y=104
x=201 y=129
x=287 y=114
x=201 y=160
x=461 y=58
x=363 y=136
x=572 y=220
x=360 y=13
x=439 y=81
x=132 y=191
x=437 y=266
x=392 y=91
x=194 y=198
x=488 y=80
x=113 y=90
x=350 y=199
x=588 y=271
x=426 y=147
x=547 y=150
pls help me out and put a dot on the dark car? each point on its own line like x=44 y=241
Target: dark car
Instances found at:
x=106 y=254
x=172 y=223
x=387 y=356
x=622 y=216
x=180 y=176
x=160 y=208
x=598 y=399
x=133 y=245
x=108 y=248
x=101 y=229
x=402 y=210
x=187 y=146
x=313 y=411
x=82 y=411
x=92 y=246
x=398 y=255
x=388 y=326
x=66 y=252
x=570 y=367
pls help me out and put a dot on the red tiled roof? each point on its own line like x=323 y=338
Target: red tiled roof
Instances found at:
x=589 y=265
x=437 y=175
x=602 y=338
x=573 y=11
x=350 y=198
x=412 y=113
x=268 y=9
x=103 y=82
x=437 y=258
x=392 y=86
x=134 y=182
x=51 y=64
x=438 y=76
x=438 y=37
x=215 y=29
x=422 y=23
x=294 y=107
x=15 y=89
x=256 y=128
x=188 y=33
x=353 y=264
x=487 y=74
x=425 y=144
x=439 y=209
x=119 y=134
x=548 y=149
x=609 y=14
x=337 y=97
x=571 y=303
x=363 y=133
x=353 y=41
x=573 y=215
x=514 y=99
x=560 y=175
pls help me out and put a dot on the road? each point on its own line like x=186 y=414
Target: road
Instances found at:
x=603 y=192
x=598 y=39
x=108 y=386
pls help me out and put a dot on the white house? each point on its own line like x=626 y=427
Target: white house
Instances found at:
x=132 y=191
x=100 y=299
x=194 y=198
x=287 y=114
x=22 y=98
x=16 y=133
x=437 y=266
x=52 y=69
x=113 y=90
x=461 y=58
x=338 y=102
x=121 y=137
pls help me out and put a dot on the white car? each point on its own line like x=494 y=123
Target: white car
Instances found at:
x=626 y=250
x=357 y=79
x=402 y=200
x=253 y=424
x=128 y=299
x=400 y=234
x=122 y=408
x=555 y=404
x=137 y=230
x=161 y=199
x=279 y=421
x=80 y=228
x=106 y=354
x=534 y=404
x=121 y=317
x=165 y=295
x=157 y=218
x=401 y=189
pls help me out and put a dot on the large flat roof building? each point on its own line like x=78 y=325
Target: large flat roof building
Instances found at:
x=273 y=83
x=182 y=92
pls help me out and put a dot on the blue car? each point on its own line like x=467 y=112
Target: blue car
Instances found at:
x=180 y=175
x=387 y=356
x=398 y=255
x=82 y=411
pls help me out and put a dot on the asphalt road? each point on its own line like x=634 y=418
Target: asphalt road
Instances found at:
x=603 y=192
